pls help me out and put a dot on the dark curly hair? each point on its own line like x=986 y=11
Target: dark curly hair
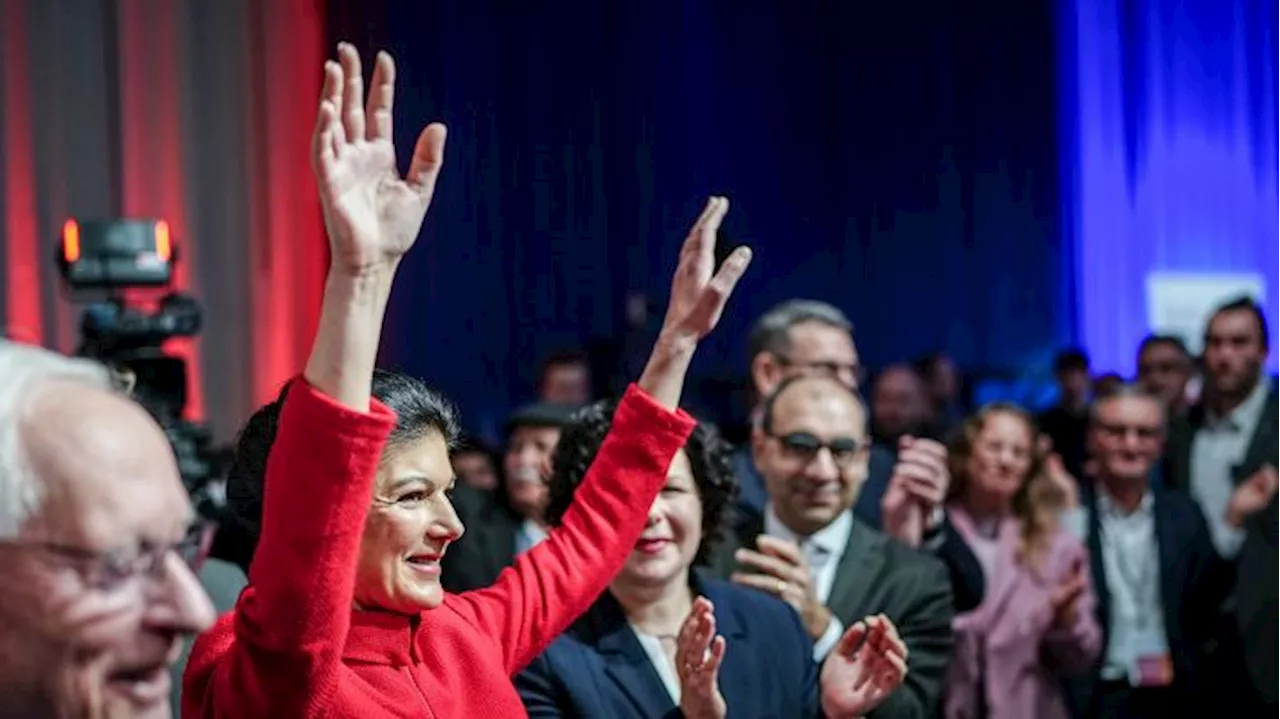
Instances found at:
x=419 y=410
x=708 y=458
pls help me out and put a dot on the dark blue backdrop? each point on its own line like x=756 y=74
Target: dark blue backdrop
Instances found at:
x=898 y=161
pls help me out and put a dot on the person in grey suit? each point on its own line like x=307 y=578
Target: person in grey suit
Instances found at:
x=808 y=549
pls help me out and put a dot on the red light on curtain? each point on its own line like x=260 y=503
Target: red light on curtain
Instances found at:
x=24 y=318
x=153 y=178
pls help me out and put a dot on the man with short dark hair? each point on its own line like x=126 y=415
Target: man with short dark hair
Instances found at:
x=1224 y=452
x=1165 y=368
x=565 y=378
x=1067 y=421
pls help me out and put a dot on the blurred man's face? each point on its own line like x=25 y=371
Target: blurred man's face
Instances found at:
x=815 y=349
x=899 y=404
x=566 y=384
x=1164 y=370
x=814 y=457
x=1233 y=353
x=527 y=463
x=1075 y=384
x=476 y=469
x=1127 y=437
x=944 y=381
x=88 y=627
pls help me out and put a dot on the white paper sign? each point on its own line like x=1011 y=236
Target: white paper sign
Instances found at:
x=1180 y=303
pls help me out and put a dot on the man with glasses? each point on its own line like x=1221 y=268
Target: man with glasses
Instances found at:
x=98 y=545
x=904 y=485
x=1155 y=572
x=808 y=549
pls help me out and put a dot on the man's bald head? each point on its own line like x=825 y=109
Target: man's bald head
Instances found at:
x=811 y=447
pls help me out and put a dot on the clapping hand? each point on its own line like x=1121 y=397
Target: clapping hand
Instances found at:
x=918 y=487
x=780 y=568
x=1065 y=599
x=867 y=665
x=372 y=215
x=1252 y=495
x=699 y=652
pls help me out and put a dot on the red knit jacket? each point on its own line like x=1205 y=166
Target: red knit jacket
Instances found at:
x=294 y=647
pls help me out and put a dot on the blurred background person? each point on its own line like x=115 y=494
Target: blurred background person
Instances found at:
x=1066 y=421
x=477 y=464
x=1164 y=369
x=1036 y=625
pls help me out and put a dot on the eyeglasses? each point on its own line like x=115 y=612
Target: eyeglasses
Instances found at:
x=112 y=571
x=1120 y=431
x=851 y=374
x=805 y=447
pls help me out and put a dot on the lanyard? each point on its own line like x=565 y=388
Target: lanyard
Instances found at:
x=1136 y=564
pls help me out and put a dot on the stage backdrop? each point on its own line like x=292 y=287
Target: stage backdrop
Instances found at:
x=1169 y=158
x=898 y=160
x=194 y=111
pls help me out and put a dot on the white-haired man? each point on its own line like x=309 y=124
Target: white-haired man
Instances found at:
x=97 y=545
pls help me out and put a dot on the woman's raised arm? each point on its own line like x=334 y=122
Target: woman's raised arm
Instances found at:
x=292 y=622
x=548 y=587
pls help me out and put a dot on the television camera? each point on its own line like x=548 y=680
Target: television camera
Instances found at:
x=112 y=262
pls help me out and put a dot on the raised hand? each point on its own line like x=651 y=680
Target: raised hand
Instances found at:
x=697 y=296
x=1065 y=599
x=699 y=652
x=1252 y=495
x=372 y=215
x=867 y=665
x=697 y=300
x=917 y=488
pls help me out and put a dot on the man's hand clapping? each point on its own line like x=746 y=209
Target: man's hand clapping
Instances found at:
x=783 y=571
x=916 y=490
x=868 y=664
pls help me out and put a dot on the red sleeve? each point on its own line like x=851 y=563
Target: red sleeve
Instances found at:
x=291 y=623
x=548 y=587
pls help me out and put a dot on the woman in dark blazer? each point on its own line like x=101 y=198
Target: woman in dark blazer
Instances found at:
x=665 y=641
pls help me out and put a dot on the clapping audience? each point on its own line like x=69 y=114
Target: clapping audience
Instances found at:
x=1113 y=556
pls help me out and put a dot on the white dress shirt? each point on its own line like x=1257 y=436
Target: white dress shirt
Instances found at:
x=1131 y=563
x=661 y=663
x=1216 y=448
x=529 y=536
x=823 y=549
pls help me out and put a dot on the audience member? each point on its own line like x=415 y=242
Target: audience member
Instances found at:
x=1066 y=422
x=1155 y=571
x=565 y=379
x=942 y=379
x=804 y=338
x=1165 y=367
x=344 y=614
x=808 y=549
x=477 y=464
x=1224 y=452
x=509 y=522
x=900 y=406
x=98 y=545
x=1036 y=625
x=664 y=637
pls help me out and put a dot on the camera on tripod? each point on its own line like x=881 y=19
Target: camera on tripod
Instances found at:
x=116 y=258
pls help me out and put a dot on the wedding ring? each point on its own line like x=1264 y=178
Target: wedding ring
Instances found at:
x=782 y=587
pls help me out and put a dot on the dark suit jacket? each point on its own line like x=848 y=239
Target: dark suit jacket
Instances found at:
x=1257 y=567
x=487 y=546
x=1191 y=590
x=878 y=574
x=599 y=669
x=968 y=584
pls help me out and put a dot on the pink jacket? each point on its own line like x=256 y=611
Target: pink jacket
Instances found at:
x=1007 y=646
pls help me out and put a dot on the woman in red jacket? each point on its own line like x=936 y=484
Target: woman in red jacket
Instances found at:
x=344 y=615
